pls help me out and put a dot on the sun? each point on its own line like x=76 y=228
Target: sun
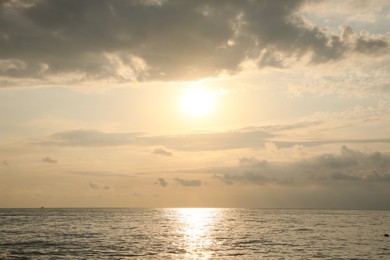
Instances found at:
x=198 y=102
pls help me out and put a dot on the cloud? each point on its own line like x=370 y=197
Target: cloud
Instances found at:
x=162 y=182
x=163 y=152
x=100 y=174
x=286 y=144
x=193 y=141
x=95 y=186
x=5 y=163
x=349 y=165
x=242 y=177
x=248 y=137
x=357 y=76
x=189 y=183
x=70 y=41
x=49 y=160
x=208 y=141
x=343 y=176
x=366 y=44
x=252 y=162
x=361 y=164
x=271 y=147
x=252 y=137
x=92 y=138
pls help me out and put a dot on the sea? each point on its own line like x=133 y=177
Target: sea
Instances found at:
x=193 y=233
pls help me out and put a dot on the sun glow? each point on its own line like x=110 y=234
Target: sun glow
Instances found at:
x=196 y=226
x=198 y=102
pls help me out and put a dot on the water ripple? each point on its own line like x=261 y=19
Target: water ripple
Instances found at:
x=192 y=233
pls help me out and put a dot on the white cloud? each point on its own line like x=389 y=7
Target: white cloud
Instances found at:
x=271 y=147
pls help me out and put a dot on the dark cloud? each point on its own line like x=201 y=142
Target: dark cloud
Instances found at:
x=350 y=161
x=189 y=183
x=163 y=152
x=106 y=187
x=328 y=169
x=162 y=182
x=367 y=45
x=49 y=160
x=343 y=176
x=125 y=41
x=95 y=186
x=243 y=177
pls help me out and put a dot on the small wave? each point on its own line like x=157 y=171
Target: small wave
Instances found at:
x=236 y=254
x=304 y=229
x=79 y=234
x=33 y=243
x=5 y=255
x=176 y=251
x=249 y=242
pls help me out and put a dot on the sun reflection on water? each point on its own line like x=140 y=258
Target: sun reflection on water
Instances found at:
x=196 y=227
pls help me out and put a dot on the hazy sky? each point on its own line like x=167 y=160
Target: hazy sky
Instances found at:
x=185 y=103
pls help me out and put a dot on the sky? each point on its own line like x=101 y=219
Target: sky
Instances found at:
x=195 y=103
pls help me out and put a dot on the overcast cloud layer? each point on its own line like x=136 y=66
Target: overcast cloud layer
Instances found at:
x=70 y=41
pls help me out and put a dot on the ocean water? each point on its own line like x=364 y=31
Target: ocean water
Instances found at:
x=193 y=233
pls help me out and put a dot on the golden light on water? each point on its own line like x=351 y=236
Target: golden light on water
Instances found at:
x=196 y=226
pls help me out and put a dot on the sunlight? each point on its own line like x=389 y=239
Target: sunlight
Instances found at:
x=196 y=220
x=196 y=225
x=198 y=101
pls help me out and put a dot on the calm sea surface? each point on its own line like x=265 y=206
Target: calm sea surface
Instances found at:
x=193 y=233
